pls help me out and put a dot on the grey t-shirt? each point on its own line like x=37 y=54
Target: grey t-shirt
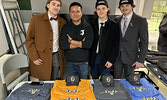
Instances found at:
x=118 y=92
x=31 y=92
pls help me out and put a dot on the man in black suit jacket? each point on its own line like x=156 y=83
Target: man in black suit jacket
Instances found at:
x=162 y=41
x=133 y=40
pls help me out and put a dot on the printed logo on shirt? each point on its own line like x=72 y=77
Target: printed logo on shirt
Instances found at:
x=74 y=91
x=112 y=92
x=32 y=91
x=73 y=99
x=140 y=88
x=150 y=98
x=82 y=32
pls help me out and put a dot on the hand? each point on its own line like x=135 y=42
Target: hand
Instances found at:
x=69 y=39
x=108 y=64
x=137 y=65
x=38 y=62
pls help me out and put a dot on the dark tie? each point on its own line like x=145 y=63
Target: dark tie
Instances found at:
x=100 y=36
x=53 y=18
x=124 y=26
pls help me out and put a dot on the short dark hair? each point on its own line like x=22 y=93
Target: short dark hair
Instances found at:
x=75 y=4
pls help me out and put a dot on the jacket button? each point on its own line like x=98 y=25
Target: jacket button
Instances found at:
x=50 y=48
x=50 y=30
x=50 y=40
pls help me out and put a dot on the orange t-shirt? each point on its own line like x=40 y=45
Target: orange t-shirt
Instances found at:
x=81 y=92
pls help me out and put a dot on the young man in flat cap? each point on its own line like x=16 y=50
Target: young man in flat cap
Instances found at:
x=76 y=39
x=133 y=40
x=42 y=43
x=106 y=41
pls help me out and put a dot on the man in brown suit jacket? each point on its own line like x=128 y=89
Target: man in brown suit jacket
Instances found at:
x=42 y=43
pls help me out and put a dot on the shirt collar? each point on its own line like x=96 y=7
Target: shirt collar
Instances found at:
x=99 y=21
x=49 y=16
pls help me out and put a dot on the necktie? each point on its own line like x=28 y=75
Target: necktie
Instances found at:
x=101 y=27
x=100 y=36
x=53 y=18
x=124 y=26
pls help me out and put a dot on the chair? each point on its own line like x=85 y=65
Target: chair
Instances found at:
x=9 y=63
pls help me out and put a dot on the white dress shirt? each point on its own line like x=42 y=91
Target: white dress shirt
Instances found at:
x=54 y=25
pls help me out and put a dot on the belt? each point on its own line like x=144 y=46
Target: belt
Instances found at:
x=55 y=52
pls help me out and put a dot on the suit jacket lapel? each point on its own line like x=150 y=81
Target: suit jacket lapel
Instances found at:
x=97 y=26
x=96 y=29
x=119 y=21
x=130 y=24
x=46 y=19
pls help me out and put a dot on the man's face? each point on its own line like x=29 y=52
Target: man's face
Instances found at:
x=126 y=9
x=54 y=7
x=75 y=13
x=101 y=11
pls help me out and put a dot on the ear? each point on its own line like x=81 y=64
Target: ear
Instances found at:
x=48 y=5
x=81 y=13
x=96 y=11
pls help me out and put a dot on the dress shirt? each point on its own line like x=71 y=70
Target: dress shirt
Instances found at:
x=54 y=25
x=128 y=21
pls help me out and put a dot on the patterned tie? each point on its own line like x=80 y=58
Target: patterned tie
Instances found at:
x=53 y=18
x=124 y=26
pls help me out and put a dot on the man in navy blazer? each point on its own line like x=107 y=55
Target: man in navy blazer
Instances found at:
x=133 y=40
